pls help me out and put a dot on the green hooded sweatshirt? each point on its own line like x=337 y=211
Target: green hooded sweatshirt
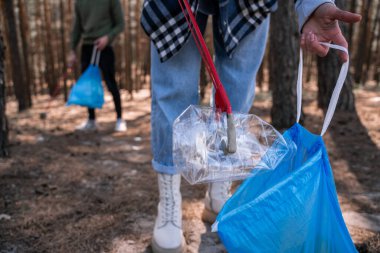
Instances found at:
x=96 y=18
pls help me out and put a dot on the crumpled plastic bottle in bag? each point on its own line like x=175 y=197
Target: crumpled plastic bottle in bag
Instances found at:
x=200 y=137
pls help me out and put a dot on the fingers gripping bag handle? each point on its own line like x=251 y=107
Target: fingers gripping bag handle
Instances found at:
x=222 y=102
x=336 y=92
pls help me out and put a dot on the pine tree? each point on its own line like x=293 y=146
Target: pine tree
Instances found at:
x=3 y=119
x=283 y=65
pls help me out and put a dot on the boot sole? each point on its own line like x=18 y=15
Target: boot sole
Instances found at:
x=157 y=249
x=209 y=216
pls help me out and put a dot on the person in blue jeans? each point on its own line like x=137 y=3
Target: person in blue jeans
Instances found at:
x=240 y=30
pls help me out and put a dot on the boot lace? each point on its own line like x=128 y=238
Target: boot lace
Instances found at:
x=170 y=210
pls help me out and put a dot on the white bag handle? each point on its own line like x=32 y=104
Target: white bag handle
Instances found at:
x=95 y=58
x=336 y=92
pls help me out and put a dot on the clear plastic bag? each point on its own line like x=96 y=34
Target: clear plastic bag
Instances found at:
x=199 y=137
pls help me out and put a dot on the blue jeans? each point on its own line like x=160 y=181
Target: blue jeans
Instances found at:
x=175 y=84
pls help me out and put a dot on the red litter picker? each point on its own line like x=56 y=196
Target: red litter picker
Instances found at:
x=215 y=144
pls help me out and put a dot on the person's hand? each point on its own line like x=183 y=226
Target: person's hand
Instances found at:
x=71 y=59
x=102 y=42
x=323 y=26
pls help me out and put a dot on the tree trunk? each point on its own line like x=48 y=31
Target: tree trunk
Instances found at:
x=50 y=62
x=33 y=61
x=63 y=47
x=351 y=28
x=370 y=37
x=21 y=91
x=129 y=53
x=25 y=40
x=377 y=61
x=309 y=63
x=202 y=82
x=40 y=52
x=328 y=72
x=363 y=41
x=3 y=118
x=373 y=49
x=260 y=76
x=147 y=61
x=8 y=65
x=283 y=65
x=118 y=47
x=137 y=46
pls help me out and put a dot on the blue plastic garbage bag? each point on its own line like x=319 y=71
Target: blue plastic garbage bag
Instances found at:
x=88 y=90
x=293 y=208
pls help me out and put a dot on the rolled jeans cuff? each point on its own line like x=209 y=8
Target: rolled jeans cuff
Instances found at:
x=166 y=169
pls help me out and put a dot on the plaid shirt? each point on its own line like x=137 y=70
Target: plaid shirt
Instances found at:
x=165 y=24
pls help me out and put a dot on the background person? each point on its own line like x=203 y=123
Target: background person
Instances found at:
x=97 y=23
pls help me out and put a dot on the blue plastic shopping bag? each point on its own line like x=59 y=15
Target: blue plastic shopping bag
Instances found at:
x=88 y=90
x=293 y=208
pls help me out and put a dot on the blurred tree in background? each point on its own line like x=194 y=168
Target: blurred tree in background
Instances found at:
x=3 y=119
x=37 y=34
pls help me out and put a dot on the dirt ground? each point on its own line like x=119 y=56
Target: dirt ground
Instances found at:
x=68 y=191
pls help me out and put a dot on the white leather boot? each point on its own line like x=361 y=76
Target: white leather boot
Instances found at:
x=167 y=234
x=217 y=194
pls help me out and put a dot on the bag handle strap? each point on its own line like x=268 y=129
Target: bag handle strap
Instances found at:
x=95 y=57
x=222 y=102
x=336 y=92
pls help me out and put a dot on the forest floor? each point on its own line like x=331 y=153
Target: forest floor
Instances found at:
x=68 y=191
